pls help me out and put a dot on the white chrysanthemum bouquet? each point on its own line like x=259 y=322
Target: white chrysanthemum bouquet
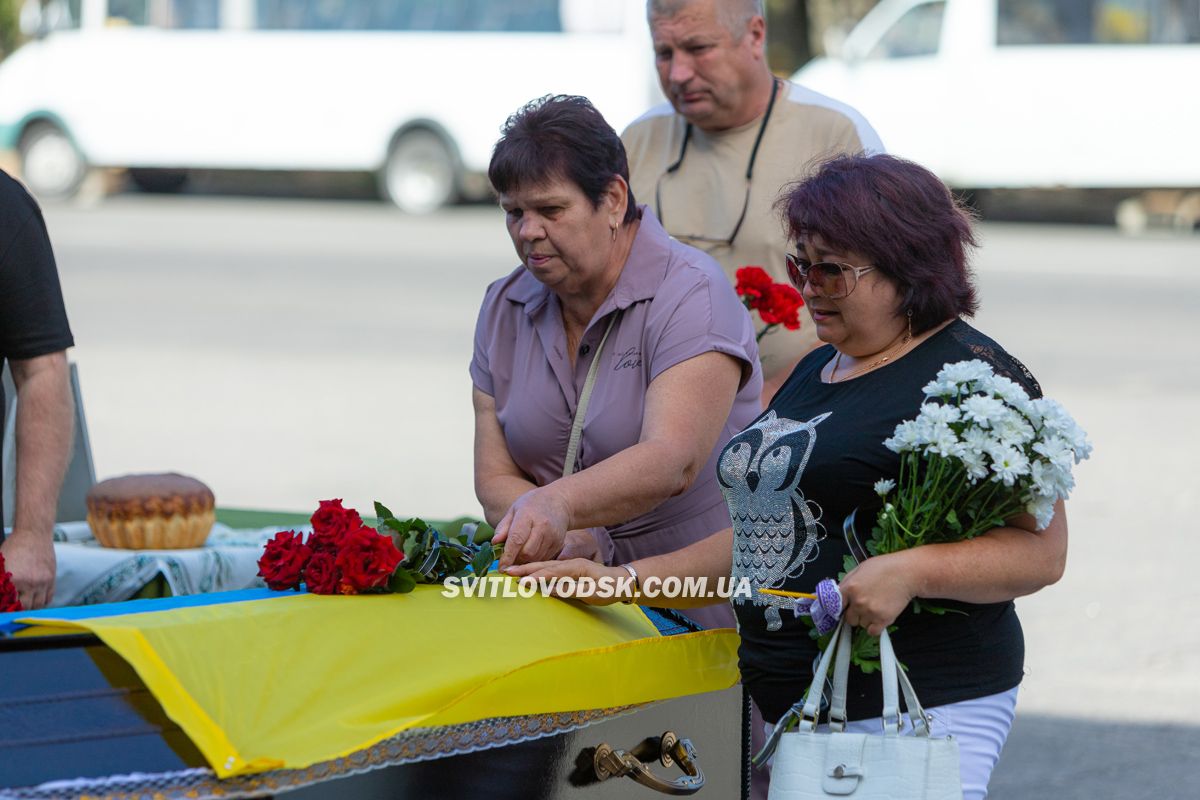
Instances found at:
x=979 y=452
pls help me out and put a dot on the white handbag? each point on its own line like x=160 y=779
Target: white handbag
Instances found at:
x=811 y=765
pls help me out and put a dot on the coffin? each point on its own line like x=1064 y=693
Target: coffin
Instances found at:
x=252 y=694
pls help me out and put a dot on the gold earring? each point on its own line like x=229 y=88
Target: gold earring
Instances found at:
x=614 y=232
x=910 y=323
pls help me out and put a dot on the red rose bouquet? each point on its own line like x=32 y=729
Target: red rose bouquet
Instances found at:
x=776 y=303
x=342 y=555
x=9 y=600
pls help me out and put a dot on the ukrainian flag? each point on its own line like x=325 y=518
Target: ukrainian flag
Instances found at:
x=264 y=680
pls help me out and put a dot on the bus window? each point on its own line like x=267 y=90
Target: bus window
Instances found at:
x=1047 y=22
x=517 y=16
x=917 y=33
x=128 y=12
x=195 y=14
x=39 y=17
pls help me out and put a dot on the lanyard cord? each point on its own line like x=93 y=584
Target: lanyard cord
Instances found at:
x=762 y=129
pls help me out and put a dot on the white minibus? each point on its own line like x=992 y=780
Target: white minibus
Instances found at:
x=1015 y=94
x=414 y=91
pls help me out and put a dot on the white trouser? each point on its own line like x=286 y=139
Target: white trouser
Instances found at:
x=979 y=725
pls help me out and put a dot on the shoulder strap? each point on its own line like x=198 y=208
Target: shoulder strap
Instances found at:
x=584 y=397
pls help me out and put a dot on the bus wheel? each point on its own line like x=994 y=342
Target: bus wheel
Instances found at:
x=51 y=166
x=421 y=174
x=159 y=181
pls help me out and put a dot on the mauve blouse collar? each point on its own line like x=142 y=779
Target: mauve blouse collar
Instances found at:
x=644 y=271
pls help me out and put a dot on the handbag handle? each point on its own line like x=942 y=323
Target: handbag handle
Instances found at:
x=812 y=703
x=894 y=681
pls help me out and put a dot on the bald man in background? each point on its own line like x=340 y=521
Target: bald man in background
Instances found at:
x=728 y=117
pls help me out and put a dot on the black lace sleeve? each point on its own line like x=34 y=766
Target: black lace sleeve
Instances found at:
x=986 y=349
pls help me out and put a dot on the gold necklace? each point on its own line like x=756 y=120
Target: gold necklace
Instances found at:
x=837 y=361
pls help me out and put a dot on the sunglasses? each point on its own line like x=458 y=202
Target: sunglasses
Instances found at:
x=831 y=279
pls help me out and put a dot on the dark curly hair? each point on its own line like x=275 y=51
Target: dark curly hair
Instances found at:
x=560 y=136
x=900 y=216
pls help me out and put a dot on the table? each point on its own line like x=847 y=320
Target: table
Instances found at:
x=89 y=573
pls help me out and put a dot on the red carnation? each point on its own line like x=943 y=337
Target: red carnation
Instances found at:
x=366 y=560
x=781 y=306
x=283 y=559
x=321 y=576
x=330 y=524
x=753 y=284
x=9 y=599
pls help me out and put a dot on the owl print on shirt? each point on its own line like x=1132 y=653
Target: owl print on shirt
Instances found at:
x=775 y=529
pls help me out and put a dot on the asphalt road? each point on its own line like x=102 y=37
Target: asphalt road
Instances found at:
x=290 y=351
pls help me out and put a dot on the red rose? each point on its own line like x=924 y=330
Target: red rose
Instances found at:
x=366 y=560
x=283 y=561
x=753 y=284
x=330 y=524
x=781 y=306
x=9 y=599
x=321 y=576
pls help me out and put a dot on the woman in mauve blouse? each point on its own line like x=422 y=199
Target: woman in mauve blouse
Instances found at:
x=675 y=378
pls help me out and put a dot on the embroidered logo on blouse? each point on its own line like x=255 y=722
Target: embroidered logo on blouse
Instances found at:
x=775 y=529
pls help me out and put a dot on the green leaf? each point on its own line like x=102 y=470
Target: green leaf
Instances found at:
x=848 y=563
x=412 y=549
x=864 y=651
x=484 y=533
x=402 y=581
x=404 y=527
x=918 y=606
x=952 y=521
x=483 y=560
x=381 y=511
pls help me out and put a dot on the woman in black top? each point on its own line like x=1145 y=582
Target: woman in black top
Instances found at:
x=882 y=264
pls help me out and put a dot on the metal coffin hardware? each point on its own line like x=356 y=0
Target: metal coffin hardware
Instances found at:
x=610 y=763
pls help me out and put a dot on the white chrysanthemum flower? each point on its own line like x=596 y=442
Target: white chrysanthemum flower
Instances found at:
x=974 y=461
x=1057 y=422
x=1056 y=450
x=1044 y=477
x=983 y=410
x=923 y=432
x=943 y=441
x=904 y=437
x=977 y=440
x=1010 y=392
x=1080 y=444
x=965 y=372
x=936 y=388
x=939 y=414
x=882 y=487
x=1008 y=464
x=1054 y=417
x=1012 y=429
x=1063 y=480
x=1042 y=509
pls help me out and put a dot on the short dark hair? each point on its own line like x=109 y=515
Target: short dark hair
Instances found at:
x=900 y=216
x=560 y=136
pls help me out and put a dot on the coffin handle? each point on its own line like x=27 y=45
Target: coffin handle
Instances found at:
x=611 y=763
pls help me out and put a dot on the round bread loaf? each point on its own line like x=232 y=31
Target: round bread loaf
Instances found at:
x=162 y=511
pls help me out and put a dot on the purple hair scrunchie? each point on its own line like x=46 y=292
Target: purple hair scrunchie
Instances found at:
x=825 y=610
